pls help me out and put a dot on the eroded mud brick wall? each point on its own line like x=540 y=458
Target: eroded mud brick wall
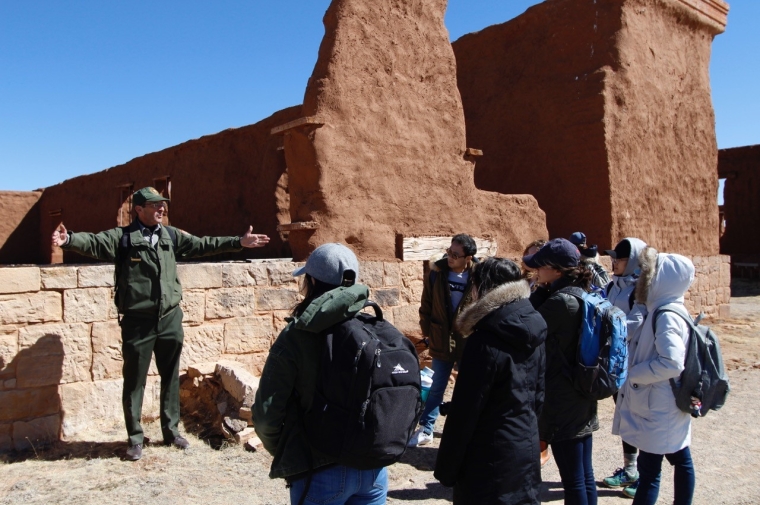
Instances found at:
x=220 y=184
x=602 y=110
x=19 y=225
x=389 y=157
x=740 y=167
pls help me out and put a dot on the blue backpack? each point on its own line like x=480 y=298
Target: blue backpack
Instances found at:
x=602 y=358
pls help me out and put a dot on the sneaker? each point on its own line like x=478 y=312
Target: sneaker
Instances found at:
x=630 y=491
x=134 y=452
x=420 y=438
x=620 y=479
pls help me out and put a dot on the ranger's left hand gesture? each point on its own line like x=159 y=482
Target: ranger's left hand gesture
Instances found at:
x=251 y=239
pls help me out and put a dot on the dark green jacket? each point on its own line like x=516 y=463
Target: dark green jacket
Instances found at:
x=287 y=382
x=437 y=316
x=147 y=283
x=567 y=414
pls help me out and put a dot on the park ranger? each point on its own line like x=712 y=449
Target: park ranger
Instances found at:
x=147 y=295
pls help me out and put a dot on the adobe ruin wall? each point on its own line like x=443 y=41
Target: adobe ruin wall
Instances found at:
x=60 y=342
x=740 y=166
x=381 y=152
x=602 y=110
x=220 y=184
x=19 y=223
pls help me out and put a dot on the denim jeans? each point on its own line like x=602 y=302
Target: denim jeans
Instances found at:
x=442 y=371
x=573 y=458
x=340 y=485
x=650 y=469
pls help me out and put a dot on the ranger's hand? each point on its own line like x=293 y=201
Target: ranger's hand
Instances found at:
x=251 y=239
x=60 y=236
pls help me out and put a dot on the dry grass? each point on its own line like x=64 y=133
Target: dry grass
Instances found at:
x=726 y=448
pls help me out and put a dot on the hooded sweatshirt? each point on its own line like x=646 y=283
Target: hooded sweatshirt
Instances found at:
x=490 y=446
x=619 y=294
x=646 y=415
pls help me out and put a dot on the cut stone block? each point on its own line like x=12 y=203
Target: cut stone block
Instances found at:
x=244 y=436
x=276 y=299
x=248 y=334
x=90 y=406
x=391 y=274
x=202 y=343
x=200 y=275
x=244 y=275
x=96 y=276
x=87 y=305
x=237 y=381
x=193 y=306
x=24 y=308
x=281 y=273
x=59 y=277
x=230 y=302
x=253 y=444
x=53 y=353
x=201 y=369
x=386 y=298
x=19 y=280
x=8 y=349
x=407 y=319
x=20 y=404
x=36 y=432
x=372 y=274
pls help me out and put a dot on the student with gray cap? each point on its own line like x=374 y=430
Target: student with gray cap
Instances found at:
x=287 y=386
x=147 y=295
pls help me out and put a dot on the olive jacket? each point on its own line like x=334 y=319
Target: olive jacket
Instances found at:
x=287 y=383
x=146 y=280
x=437 y=315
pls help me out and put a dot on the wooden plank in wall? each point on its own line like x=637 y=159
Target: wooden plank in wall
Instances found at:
x=422 y=248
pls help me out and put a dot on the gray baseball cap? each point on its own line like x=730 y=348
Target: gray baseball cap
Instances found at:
x=329 y=262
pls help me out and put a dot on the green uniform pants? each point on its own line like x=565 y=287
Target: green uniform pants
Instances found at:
x=141 y=338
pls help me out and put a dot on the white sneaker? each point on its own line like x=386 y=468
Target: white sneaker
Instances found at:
x=420 y=438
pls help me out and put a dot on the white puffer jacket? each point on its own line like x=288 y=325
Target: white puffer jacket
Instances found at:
x=623 y=285
x=646 y=415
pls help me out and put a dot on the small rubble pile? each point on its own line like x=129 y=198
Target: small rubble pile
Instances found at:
x=216 y=400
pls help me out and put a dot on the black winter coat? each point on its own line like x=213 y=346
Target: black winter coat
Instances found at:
x=490 y=447
x=567 y=414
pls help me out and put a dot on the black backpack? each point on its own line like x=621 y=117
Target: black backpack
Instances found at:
x=367 y=394
x=704 y=375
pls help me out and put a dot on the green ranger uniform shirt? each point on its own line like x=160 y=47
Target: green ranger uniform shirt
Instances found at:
x=146 y=278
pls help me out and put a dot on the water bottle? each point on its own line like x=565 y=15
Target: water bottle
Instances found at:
x=426 y=379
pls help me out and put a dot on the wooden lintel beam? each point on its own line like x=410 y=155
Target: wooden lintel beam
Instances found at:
x=296 y=123
x=422 y=248
x=473 y=152
x=303 y=225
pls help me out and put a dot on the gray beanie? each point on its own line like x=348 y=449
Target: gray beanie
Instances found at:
x=328 y=262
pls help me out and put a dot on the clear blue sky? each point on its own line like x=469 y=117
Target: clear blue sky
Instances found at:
x=89 y=84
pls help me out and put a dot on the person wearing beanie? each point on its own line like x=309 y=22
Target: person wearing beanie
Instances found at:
x=568 y=418
x=287 y=385
x=147 y=296
x=601 y=277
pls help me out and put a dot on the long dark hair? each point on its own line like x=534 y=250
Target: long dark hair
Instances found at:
x=310 y=290
x=492 y=273
x=581 y=275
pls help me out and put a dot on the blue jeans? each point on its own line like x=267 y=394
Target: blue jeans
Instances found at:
x=340 y=485
x=442 y=371
x=650 y=469
x=573 y=458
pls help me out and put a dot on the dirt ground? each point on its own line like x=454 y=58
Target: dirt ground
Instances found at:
x=725 y=446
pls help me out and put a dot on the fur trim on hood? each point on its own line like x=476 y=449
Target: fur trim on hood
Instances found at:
x=648 y=266
x=502 y=295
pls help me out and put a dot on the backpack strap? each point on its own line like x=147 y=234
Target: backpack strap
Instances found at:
x=692 y=330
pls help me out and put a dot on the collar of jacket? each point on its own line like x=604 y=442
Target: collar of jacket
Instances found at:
x=494 y=299
x=332 y=307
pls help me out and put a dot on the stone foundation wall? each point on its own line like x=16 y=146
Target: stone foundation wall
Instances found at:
x=60 y=344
